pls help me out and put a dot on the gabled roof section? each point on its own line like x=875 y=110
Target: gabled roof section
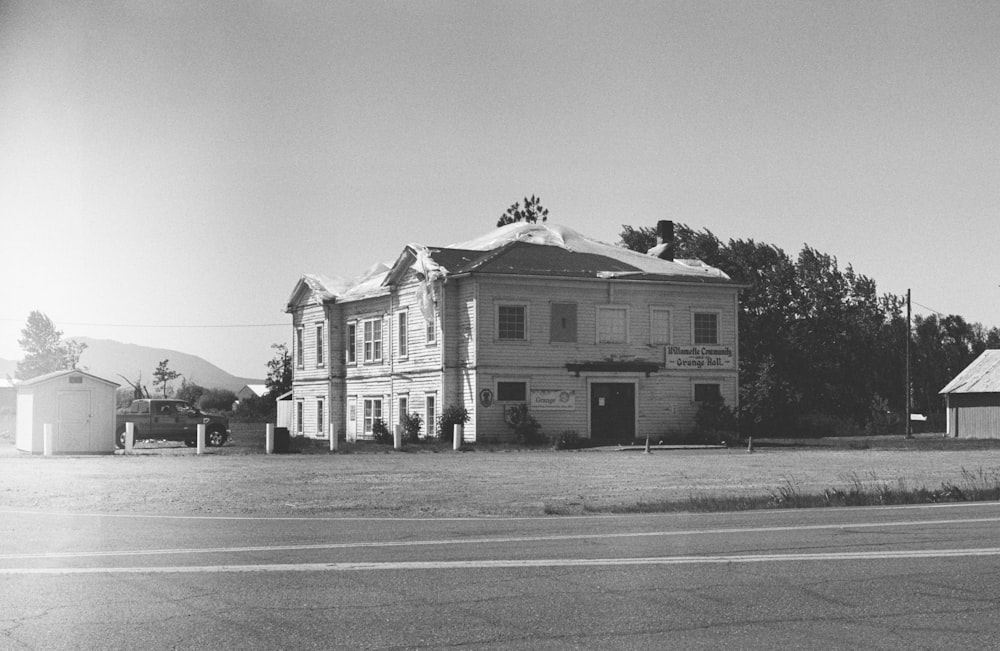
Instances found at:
x=517 y=249
x=981 y=376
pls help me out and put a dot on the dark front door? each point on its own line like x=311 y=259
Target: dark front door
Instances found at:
x=612 y=411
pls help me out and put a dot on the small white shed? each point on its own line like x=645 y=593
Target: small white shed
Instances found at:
x=284 y=413
x=79 y=406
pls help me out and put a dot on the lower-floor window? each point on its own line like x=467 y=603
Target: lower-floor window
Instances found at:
x=707 y=392
x=299 y=419
x=373 y=411
x=430 y=414
x=512 y=391
x=319 y=418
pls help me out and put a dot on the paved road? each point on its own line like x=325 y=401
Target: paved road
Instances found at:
x=916 y=577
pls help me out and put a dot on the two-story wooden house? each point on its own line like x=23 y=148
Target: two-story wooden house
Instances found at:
x=610 y=343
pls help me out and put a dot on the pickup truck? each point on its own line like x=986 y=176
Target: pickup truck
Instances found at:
x=163 y=419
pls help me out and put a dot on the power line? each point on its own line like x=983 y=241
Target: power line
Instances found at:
x=930 y=308
x=174 y=325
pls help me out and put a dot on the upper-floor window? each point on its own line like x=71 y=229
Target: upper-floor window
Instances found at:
x=299 y=348
x=431 y=330
x=512 y=322
x=373 y=340
x=319 y=346
x=352 y=343
x=612 y=324
x=401 y=334
x=706 y=328
x=659 y=325
x=562 y=326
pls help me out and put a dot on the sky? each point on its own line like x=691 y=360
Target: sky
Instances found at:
x=168 y=171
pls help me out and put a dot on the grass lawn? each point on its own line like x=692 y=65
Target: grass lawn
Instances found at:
x=434 y=481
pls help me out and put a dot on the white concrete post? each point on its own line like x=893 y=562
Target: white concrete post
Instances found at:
x=47 y=439
x=397 y=437
x=129 y=436
x=269 y=439
x=333 y=438
x=201 y=438
x=459 y=428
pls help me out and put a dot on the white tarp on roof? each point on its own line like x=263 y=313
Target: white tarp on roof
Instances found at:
x=567 y=238
x=545 y=234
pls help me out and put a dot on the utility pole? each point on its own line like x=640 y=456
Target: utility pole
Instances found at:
x=909 y=432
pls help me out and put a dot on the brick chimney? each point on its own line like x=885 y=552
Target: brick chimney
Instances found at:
x=665 y=239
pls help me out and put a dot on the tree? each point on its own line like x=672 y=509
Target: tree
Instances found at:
x=44 y=349
x=163 y=376
x=189 y=392
x=532 y=210
x=279 y=372
x=217 y=400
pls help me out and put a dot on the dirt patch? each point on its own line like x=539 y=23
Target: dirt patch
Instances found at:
x=435 y=481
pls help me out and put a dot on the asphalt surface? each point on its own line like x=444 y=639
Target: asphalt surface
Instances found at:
x=906 y=577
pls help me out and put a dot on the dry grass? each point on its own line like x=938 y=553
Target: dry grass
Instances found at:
x=434 y=481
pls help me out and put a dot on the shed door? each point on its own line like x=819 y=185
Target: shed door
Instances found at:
x=612 y=411
x=73 y=433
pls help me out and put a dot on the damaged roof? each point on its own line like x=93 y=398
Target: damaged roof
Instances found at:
x=981 y=376
x=517 y=249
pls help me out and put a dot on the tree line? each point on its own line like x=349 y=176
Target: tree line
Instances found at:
x=45 y=352
x=820 y=348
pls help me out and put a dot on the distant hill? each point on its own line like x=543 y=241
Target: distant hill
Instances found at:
x=109 y=359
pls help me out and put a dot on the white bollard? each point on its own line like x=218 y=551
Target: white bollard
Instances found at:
x=269 y=439
x=47 y=439
x=457 y=444
x=397 y=437
x=333 y=439
x=201 y=438
x=129 y=437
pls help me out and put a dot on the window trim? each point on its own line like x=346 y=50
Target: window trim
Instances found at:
x=300 y=356
x=576 y=322
x=526 y=307
x=368 y=428
x=378 y=342
x=351 y=341
x=718 y=328
x=597 y=323
x=403 y=333
x=320 y=345
x=430 y=407
x=670 y=325
x=430 y=331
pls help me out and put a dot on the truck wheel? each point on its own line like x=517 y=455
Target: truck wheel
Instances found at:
x=216 y=438
x=120 y=438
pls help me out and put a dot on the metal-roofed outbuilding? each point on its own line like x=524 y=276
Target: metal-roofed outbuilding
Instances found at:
x=973 y=399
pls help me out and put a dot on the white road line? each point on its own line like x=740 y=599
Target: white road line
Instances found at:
x=511 y=564
x=496 y=540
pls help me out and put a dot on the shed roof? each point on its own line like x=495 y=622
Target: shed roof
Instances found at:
x=69 y=371
x=981 y=376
